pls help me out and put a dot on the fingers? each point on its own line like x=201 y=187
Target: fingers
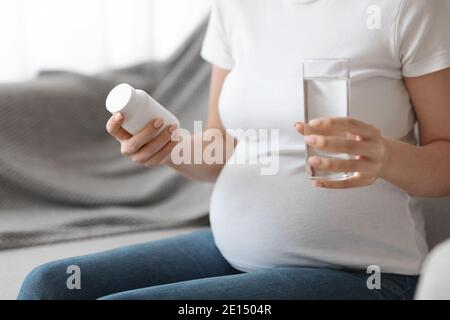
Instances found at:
x=333 y=126
x=305 y=130
x=152 y=148
x=162 y=155
x=339 y=165
x=342 y=145
x=146 y=135
x=114 y=127
x=149 y=147
x=345 y=136
x=359 y=180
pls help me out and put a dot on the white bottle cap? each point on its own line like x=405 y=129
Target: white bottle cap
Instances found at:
x=120 y=97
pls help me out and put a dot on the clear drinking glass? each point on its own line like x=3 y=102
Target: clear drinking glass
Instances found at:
x=326 y=94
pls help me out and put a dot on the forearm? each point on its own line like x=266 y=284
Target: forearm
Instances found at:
x=201 y=170
x=420 y=171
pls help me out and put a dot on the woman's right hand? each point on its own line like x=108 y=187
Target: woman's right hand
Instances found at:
x=147 y=148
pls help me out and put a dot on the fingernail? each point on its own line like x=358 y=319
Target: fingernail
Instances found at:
x=310 y=139
x=300 y=127
x=118 y=117
x=315 y=161
x=158 y=123
x=315 y=123
x=172 y=128
x=176 y=136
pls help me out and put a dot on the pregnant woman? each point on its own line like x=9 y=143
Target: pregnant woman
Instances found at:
x=280 y=236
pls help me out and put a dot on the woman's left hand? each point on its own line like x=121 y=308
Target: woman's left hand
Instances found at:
x=350 y=136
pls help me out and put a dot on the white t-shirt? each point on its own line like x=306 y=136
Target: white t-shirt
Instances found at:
x=281 y=220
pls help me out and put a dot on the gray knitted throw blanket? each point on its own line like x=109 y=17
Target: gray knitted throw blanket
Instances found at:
x=62 y=177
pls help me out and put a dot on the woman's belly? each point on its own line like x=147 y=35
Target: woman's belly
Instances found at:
x=281 y=220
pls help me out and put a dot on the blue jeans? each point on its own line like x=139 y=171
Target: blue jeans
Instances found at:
x=191 y=267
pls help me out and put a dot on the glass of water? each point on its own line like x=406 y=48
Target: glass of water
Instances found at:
x=326 y=85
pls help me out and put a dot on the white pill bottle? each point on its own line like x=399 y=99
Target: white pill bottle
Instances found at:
x=138 y=108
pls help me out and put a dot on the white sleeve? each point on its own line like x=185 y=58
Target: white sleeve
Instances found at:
x=216 y=48
x=423 y=36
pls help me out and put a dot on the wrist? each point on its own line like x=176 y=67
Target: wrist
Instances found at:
x=168 y=162
x=387 y=158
